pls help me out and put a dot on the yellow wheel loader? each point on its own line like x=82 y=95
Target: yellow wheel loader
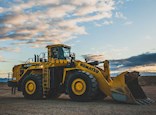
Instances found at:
x=61 y=73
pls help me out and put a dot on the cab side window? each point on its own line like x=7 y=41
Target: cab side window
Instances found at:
x=61 y=55
x=55 y=52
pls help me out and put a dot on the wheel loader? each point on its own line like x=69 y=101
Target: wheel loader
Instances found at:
x=59 y=72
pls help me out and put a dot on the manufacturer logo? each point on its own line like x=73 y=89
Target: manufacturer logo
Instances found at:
x=90 y=68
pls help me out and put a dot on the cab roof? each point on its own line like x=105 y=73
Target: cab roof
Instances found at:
x=58 y=45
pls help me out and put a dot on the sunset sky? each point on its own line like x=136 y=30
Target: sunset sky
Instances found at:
x=123 y=31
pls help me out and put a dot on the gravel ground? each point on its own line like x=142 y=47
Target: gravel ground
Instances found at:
x=17 y=105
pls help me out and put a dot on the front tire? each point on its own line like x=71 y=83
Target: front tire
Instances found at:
x=100 y=95
x=32 y=87
x=81 y=86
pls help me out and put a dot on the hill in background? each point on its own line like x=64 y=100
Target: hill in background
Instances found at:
x=3 y=80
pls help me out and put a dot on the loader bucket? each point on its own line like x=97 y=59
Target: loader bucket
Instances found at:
x=125 y=88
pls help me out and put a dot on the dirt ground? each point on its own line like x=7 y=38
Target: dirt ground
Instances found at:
x=17 y=105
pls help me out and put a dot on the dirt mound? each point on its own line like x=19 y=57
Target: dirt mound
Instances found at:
x=147 y=80
x=2 y=85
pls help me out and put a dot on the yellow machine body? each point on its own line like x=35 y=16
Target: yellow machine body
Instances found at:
x=58 y=74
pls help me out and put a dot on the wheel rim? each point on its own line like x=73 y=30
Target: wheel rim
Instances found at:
x=78 y=86
x=30 y=87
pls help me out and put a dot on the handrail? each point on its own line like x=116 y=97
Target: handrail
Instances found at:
x=29 y=60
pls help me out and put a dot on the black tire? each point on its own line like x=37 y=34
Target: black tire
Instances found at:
x=100 y=95
x=91 y=86
x=38 y=94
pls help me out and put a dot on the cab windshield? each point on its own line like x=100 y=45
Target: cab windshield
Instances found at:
x=66 y=52
x=61 y=53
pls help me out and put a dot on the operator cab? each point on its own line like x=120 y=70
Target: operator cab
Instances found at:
x=58 y=51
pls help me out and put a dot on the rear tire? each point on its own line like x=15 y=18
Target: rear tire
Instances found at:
x=32 y=87
x=86 y=86
x=100 y=95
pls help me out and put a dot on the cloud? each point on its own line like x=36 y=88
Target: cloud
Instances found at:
x=50 y=21
x=120 y=15
x=91 y=57
x=144 y=63
x=10 y=49
x=148 y=68
x=108 y=22
x=140 y=60
x=128 y=23
x=2 y=59
x=1 y=9
x=148 y=37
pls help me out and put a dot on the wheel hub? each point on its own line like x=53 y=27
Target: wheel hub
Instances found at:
x=30 y=87
x=78 y=86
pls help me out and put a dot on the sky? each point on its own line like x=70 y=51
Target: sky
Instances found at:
x=122 y=31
